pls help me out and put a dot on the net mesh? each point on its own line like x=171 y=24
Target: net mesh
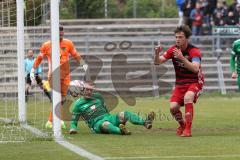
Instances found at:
x=36 y=31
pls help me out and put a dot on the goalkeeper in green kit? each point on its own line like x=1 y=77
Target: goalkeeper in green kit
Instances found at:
x=235 y=54
x=91 y=108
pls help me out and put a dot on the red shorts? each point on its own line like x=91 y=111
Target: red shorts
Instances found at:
x=180 y=91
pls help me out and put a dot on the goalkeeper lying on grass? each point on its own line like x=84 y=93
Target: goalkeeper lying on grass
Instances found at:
x=91 y=108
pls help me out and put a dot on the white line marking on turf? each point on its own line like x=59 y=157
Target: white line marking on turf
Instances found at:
x=78 y=150
x=175 y=157
x=3 y=142
x=6 y=120
x=34 y=130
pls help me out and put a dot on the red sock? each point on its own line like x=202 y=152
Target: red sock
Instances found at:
x=188 y=114
x=50 y=118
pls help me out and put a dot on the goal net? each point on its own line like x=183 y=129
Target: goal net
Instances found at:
x=37 y=104
x=105 y=51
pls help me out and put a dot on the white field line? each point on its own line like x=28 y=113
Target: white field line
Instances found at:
x=34 y=130
x=4 y=142
x=76 y=149
x=6 y=120
x=175 y=157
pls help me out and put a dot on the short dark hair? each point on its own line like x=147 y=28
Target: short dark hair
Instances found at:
x=90 y=82
x=60 y=28
x=185 y=29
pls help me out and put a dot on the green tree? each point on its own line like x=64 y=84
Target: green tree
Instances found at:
x=118 y=8
x=68 y=9
x=89 y=8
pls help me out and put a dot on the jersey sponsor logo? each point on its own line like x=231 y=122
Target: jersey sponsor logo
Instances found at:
x=93 y=108
x=179 y=63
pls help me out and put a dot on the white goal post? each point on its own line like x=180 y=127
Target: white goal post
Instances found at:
x=55 y=66
x=20 y=57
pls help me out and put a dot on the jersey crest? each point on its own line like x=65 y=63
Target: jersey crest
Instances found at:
x=64 y=49
x=93 y=108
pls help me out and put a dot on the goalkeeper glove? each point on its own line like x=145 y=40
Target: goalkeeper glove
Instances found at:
x=84 y=65
x=32 y=76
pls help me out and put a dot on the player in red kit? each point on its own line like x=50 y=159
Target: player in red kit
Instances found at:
x=186 y=59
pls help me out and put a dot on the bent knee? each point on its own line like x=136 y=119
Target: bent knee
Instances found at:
x=189 y=97
x=174 y=107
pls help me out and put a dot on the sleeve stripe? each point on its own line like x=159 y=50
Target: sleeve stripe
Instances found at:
x=196 y=59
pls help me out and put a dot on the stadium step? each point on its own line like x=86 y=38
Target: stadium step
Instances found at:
x=90 y=37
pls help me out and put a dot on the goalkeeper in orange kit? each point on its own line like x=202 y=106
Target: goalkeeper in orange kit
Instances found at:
x=66 y=49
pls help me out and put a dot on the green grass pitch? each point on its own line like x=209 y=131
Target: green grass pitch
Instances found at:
x=216 y=134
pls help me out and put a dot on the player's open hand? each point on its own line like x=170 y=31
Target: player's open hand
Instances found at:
x=158 y=49
x=234 y=75
x=177 y=53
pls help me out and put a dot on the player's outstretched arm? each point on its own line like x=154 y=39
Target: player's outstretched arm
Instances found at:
x=159 y=59
x=232 y=65
x=78 y=57
x=37 y=61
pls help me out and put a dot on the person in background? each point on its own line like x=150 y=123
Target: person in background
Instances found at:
x=235 y=59
x=28 y=64
x=196 y=16
x=212 y=5
x=180 y=4
x=220 y=9
x=218 y=20
x=231 y=19
x=237 y=13
x=186 y=13
x=233 y=5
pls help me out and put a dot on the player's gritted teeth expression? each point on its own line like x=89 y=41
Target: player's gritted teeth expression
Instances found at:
x=181 y=40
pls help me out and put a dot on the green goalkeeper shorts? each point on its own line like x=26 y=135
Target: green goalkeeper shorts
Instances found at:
x=112 y=118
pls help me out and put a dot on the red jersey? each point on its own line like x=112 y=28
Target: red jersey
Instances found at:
x=183 y=75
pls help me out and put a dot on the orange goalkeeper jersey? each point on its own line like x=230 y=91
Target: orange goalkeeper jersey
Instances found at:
x=66 y=49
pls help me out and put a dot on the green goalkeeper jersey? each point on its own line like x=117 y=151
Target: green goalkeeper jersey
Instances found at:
x=90 y=109
x=235 y=55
